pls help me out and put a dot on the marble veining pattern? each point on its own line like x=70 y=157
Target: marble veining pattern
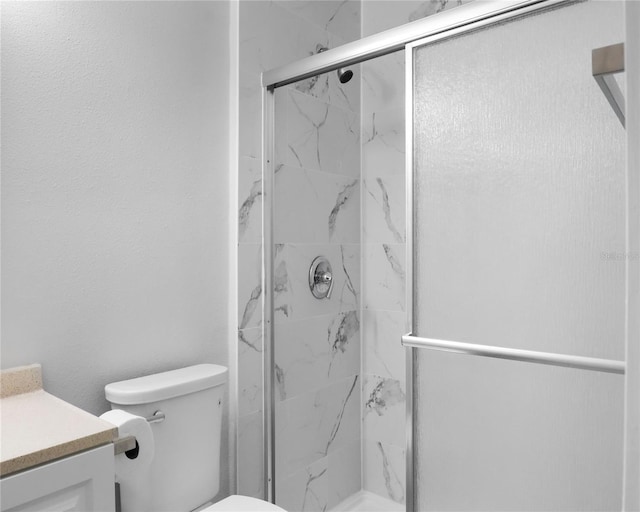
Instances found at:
x=340 y=333
x=247 y=205
x=384 y=411
x=395 y=487
x=383 y=153
x=319 y=136
x=250 y=381
x=310 y=493
x=384 y=276
x=340 y=17
x=432 y=7
x=386 y=208
x=384 y=470
x=396 y=265
x=251 y=306
x=317 y=125
x=315 y=352
x=327 y=88
x=382 y=352
x=279 y=376
x=383 y=88
x=313 y=425
x=391 y=137
x=305 y=490
x=386 y=393
x=343 y=197
x=379 y=16
x=245 y=341
x=249 y=285
x=250 y=200
x=338 y=421
x=347 y=257
x=271 y=36
x=316 y=207
x=281 y=285
x=384 y=212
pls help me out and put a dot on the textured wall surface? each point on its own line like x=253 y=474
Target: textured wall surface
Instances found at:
x=114 y=181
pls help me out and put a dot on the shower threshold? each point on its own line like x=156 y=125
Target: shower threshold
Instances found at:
x=365 y=501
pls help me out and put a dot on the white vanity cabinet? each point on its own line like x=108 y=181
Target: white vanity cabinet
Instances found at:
x=54 y=456
x=83 y=482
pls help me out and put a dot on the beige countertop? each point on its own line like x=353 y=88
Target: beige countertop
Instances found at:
x=37 y=427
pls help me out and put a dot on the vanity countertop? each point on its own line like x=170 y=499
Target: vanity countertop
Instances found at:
x=37 y=427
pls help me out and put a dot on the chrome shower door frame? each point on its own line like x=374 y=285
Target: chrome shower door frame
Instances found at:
x=268 y=348
x=446 y=24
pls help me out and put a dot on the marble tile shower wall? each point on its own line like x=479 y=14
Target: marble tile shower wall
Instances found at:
x=317 y=212
x=340 y=182
x=383 y=248
x=317 y=356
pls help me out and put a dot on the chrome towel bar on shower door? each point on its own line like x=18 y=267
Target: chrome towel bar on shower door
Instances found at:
x=514 y=354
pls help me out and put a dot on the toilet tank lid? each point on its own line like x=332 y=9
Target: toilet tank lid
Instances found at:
x=165 y=385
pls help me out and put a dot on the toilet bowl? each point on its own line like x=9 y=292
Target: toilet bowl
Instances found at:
x=185 y=471
x=237 y=503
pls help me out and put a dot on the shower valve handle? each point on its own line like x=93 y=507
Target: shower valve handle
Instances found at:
x=320 y=278
x=323 y=277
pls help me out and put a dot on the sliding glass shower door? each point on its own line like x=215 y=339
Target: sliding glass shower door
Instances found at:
x=518 y=243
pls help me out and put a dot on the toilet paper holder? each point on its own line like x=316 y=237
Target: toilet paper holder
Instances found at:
x=126 y=443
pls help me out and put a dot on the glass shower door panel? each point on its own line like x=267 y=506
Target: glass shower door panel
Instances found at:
x=519 y=219
x=504 y=435
x=520 y=187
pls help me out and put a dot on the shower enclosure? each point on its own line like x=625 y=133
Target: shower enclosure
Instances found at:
x=515 y=287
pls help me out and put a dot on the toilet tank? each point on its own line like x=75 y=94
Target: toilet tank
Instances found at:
x=185 y=471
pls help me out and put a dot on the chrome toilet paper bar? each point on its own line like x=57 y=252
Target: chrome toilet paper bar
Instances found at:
x=156 y=417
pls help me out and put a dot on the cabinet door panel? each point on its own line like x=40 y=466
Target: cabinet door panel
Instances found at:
x=82 y=482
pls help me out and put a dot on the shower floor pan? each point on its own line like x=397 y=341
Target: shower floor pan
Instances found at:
x=365 y=501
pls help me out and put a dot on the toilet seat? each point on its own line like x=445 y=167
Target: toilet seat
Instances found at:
x=237 y=503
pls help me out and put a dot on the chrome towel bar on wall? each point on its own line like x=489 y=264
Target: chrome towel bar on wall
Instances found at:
x=514 y=354
x=606 y=62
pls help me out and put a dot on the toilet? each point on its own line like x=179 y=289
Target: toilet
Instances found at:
x=184 y=408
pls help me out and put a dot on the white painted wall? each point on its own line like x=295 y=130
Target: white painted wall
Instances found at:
x=114 y=190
